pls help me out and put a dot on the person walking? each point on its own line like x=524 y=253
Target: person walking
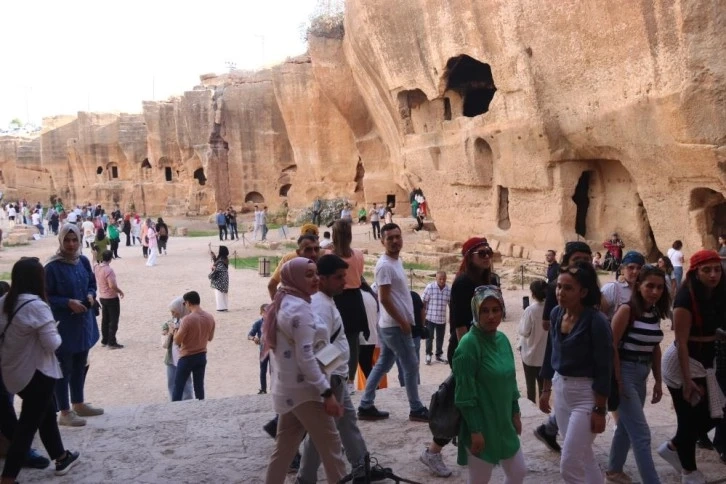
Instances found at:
x=636 y=339
x=152 y=240
x=99 y=245
x=30 y=368
x=109 y=295
x=396 y=323
x=533 y=339
x=195 y=331
x=263 y=223
x=114 y=237
x=436 y=297
x=375 y=218
x=136 y=231
x=676 y=256
x=127 y=230
x=578 y=363
x=255 y=335
x=221 y=224
x=144 y=240
x=487 y=395
x=219 y=277
x=163 y=230
x=71 y=288
x=688 y=364
x=301 y=393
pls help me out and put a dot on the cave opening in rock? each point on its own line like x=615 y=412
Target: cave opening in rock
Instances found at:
x=199 y=176
x=167 y=173
x=447 y=109
x=254 y=197
x=503 y=221
x=99 y=170
x=390 y=200
x=581 y=198
x=473 y=81
x=359 y=174
x=114 y=171
x=708 y=211
x=146 y=164
x=483 y=162
x=284 y=189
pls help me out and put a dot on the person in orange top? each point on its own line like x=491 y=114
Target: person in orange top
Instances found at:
x=195 y=331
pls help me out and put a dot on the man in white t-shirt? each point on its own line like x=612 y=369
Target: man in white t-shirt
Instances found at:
x=37 y=222
x=395 y=322
x=89 y=232
x=676 y=257
x=331 y=271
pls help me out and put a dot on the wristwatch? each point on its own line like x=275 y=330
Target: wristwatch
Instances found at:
x=327 y=393
x=600 y=410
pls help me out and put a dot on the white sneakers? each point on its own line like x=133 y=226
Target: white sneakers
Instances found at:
x=670 y=456
x=695 y=477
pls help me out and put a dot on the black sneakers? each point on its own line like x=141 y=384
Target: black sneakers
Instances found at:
x=371 y=413
x=36 y=461
x=421 y=415
x=62 y=466
x=549 y=440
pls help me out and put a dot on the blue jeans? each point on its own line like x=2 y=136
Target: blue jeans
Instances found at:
x=417 y=346
x=170 y=377
x=394 y=344
x=632 y=426
x=678 y=276
x=190 y=365
x=73 y=366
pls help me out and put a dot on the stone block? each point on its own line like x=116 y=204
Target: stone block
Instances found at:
x=505 y=248
x=517 y=251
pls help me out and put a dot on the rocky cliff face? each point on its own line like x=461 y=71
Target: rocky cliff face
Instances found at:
x=529 y=122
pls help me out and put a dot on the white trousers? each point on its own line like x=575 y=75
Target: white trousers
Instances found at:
x=153 y=252
x=480 y=472
x=221 y=299
x=574 y=400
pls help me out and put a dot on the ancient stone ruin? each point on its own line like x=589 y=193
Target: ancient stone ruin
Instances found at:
x=530 y=122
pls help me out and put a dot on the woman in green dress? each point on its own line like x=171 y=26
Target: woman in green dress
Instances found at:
x=487 y=394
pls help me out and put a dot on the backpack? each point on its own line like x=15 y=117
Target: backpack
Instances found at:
x=444 y=416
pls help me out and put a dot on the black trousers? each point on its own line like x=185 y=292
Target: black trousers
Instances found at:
x=435 y=331
x=692 y=423
x=376 y=229
x=128 y=238
x=114 y=247
x=37 y=414
x=222 y=230
x=534 y=382
x=365 y=358
x=110 y=313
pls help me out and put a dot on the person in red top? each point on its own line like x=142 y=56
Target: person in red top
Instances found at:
x=615 y=247
x=109 y=295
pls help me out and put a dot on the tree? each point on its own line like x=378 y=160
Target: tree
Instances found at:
x=15 y=123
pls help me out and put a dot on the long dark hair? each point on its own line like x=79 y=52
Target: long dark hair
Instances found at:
x=342 y=238
x=585 y=275
x=480 y=277
x=100 y=234
x=27 y=277
x=638 y=306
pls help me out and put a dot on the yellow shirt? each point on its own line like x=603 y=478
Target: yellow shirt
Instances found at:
x=277 y=275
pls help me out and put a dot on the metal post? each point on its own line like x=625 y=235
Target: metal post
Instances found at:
x=522 y=267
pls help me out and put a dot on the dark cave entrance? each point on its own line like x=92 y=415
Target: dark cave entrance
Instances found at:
x=199 y=176
x=473 y=81
x=582 y=202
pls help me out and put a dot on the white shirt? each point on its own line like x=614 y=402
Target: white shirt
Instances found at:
x=296 y=374
x=89 y=229
x=676 y=257
x=375 y=216
x=12 y=212
x=72 y=217
x=616 y=294
x=371 y=306
x=30 y=343
x=389 y=272
x=324 y=243
x=533 y=338
x=325 y=309
x=35 y=218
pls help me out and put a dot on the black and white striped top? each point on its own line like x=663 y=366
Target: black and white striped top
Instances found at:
x=642 y=336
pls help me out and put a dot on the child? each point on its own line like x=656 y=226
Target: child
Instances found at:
x=533 y=339
x=255 y=335
x=597 y=260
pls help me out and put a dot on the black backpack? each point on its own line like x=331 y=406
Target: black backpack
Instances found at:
x=444 y=417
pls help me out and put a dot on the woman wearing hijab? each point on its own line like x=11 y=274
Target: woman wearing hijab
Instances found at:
x=163 y=230
x=126 y=228
x=219 y=277
x=178 y=310
x=152 y=240
x=71 y=288
x=487 y=395
x=475 y=271
x=301 y=392
x=30 y=368
x=688 y=364
x=579 y=356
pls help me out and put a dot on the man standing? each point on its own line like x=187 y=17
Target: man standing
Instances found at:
x=221 y=224
x=375 y=222
x=232 y=223
x=195 y=331
x=317 y=208
x=396 y=322
x=436 y=298
x=307 y=246
x=263 y=223
x=256 y=225
x=331 y=271
x=553 y=268
x=109 y=295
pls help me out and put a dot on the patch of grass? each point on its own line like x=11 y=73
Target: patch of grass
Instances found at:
x=201 y=233
x=418 y=266
x=252 y=263
x=4 y=276
x=290 y=245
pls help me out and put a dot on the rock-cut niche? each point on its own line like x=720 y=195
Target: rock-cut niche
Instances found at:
x=708 y=215
x=254 y=197
x=473 y=81
x=199 y=176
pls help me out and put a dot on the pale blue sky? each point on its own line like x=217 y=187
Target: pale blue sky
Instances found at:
x=64 y=56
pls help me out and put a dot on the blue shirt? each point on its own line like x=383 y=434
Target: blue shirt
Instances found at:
x=221 y=219
x=586 y=352
x=72 y=281
x=256 y=329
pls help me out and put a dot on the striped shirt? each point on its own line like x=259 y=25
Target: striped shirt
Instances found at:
x=642 y=336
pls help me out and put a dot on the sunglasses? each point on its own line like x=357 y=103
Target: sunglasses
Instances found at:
x=488 y=287
x=570 y=270
x=486 y=252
